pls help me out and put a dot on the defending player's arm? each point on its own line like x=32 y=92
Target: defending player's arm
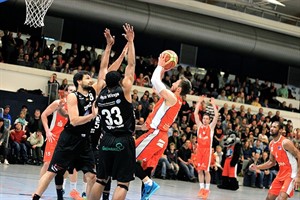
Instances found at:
x=216 y=114
x=110 y=40
x=73 y=112
x=48 y=111
x=116 y=65
x=130 y=69
x=158 y=85
x=290 y=147
x=196 y=112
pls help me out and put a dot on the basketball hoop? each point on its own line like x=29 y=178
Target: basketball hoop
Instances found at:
x=36 y=11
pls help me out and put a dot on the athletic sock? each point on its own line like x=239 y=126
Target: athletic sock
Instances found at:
x=207 y=186
x=105 y=196
x=59 y=193
x=201 y=185
x=149 y=182
x=64 y=183
x=36 y=197
x=84 y=187
x=73 y=185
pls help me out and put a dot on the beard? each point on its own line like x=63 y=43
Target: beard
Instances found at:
x=87 y=87
x=274 y=134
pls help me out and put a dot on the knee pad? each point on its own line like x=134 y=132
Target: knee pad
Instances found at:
x=59 y=179
x=101 y=182
x=123 y=186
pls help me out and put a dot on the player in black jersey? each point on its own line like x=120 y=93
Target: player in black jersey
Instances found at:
x=96 y=137
x=117 y=148
x=73 y=149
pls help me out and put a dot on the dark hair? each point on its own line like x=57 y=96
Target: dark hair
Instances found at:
x=112 y=79
x=78 y=77
x=186 y=86
x=206 y=115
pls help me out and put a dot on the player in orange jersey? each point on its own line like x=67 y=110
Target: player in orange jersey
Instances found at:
x=205 y=135
x=288 y=158
x=151 y=145
x=59 y=119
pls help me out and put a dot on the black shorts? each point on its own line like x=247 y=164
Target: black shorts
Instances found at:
x=117 y=158
x=72 y=151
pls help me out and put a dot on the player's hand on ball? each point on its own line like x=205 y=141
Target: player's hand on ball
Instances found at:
x=161 y=60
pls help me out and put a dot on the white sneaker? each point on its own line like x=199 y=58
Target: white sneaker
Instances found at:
x=6 y=162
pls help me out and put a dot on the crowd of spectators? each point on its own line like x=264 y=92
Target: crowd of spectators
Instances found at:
x=36 y=54
x=253 y=129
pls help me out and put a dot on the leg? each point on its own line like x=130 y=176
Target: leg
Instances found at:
x=207 y=179
x=120 y=191
x=59 y=179
x=271 y=197
x=44 y=168
x=90 y=179
x=97 y=189
x=163 y=168
x=105 y=195
x=43 y=183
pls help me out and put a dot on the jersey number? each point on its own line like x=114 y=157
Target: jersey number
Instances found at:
x=115 y=113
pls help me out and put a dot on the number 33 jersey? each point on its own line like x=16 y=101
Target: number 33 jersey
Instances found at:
x=117 y=115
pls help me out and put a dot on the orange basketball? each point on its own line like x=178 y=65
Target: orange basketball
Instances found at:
x=171 y=59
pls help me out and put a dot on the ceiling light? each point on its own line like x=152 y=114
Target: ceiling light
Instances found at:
x=276 y=2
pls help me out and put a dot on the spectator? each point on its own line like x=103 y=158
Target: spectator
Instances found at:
x=35 y=142
x=21 y=119
x=25 y=62
x=184 y=158
x=216 y=168
x=283 y=91
x=174 y=139
x=7 y=116
x=253 y=178
x=3 y=141
x=18 y=138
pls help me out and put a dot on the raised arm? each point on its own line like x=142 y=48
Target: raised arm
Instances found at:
x=159 y=86
x=196 y=112
x=216 y=114
x=116 y=65
x=130 y=69
x=110 y=40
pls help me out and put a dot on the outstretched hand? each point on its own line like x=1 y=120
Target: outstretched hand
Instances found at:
x=162 y=60
x=110 y=40
x=129 y=33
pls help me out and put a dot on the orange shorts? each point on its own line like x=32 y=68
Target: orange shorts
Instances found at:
x=286 y=185
x=150 y=147
x=50 y=147
x=202 y=159
x=228 y=170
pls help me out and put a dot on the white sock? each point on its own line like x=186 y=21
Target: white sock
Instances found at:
x=201 y=185
x=73 y=185
x=207 y=186
x=64 y=183
x=84 y=187
x=149 y=182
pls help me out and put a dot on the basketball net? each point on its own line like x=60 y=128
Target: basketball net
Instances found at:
x=36 y=11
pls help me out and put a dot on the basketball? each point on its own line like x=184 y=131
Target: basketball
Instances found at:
x=171 y=59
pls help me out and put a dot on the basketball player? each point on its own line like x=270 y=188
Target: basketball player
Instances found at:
x=205 y=135
x=151 y=145
x=288 y=158
x=59 y=120
x=117 y=147
x=73 y=148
